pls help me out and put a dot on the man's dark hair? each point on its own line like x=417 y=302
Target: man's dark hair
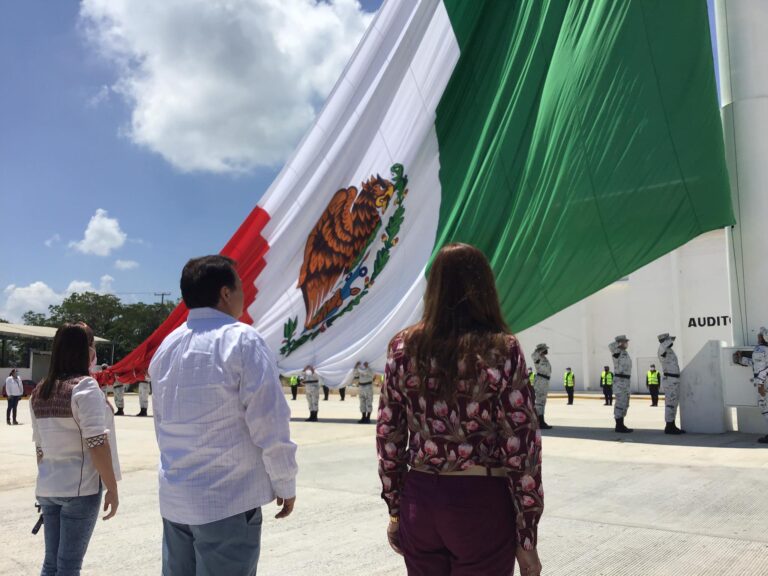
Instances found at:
x=203 y=278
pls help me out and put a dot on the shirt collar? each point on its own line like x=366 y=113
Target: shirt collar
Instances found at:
x=209 y=313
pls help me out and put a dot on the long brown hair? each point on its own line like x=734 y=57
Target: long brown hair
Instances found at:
x=70 y=356
x=462 y=318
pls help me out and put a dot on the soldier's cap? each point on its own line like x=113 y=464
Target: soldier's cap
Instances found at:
x=666 y=336
x=621 y=338
x=764 y=332
x=542 y=347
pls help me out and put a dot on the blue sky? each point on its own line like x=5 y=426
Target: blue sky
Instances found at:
x=67 y=147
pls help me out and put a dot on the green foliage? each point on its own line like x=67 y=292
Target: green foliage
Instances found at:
x=126 y=325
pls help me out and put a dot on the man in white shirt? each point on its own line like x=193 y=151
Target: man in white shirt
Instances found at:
x=14 y=390
x=222 y=425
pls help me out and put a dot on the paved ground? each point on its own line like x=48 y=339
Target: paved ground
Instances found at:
x=644 y=504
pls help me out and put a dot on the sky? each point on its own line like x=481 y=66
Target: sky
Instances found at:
x=136 y=134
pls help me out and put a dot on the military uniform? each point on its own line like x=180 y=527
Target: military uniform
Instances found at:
x=543 y=371
x=312 y=392
x=569 y=382
x=622 y=371
x=364 y=378
x=758 y=359
x=119 y=391
x=606 y=383
x=144 y=388
x=671 y=382
x=653 y=382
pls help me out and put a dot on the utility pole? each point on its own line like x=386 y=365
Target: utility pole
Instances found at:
x=162 y=296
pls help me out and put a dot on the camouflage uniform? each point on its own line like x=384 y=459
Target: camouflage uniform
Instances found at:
x=143 y=395
x=541 y=381
x=364 y=378
x=622 y=370
x=312 y=391
x=759 y=363
x=119 y=390
x=671 y=380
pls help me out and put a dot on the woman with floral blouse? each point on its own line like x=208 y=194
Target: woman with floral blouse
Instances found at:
x=457 y=436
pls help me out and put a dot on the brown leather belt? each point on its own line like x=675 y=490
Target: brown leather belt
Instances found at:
x=471 y=471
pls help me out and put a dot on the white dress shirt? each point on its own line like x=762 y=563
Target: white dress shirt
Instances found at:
x=61 y=425
x=221 y=420
x=13 y=386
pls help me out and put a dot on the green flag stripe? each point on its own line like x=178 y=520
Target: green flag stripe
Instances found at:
x=578 y=142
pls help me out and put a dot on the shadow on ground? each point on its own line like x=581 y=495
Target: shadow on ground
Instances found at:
x=651 y=436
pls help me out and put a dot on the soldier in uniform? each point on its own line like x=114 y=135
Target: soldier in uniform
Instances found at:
x=671 y=382
x=541 y=382
x=312 y=392
x=294 y=382
x=119 y=397
x=144 y=388
x=364 y=378
x=622 y=368
x=606 y=383
x=569 y=382
x=758 y=359
x=652 y=382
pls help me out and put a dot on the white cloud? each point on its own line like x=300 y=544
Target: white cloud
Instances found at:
x=102 y=235
x=126 y=264
x=223 y=85
x=37 y=296
x=55 y=239
x=101 y=96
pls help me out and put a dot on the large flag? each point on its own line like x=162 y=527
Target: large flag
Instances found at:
x=572 y=141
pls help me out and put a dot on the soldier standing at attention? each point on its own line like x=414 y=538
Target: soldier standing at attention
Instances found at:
x=312 y=392
x=668 y=361
x=144 y=387
x=606 y=383
x=652 y=382
x=541 y=382
x=365 y=392
x=294 y=381
x=569 y=381
x=622 y=368
x=758 y=359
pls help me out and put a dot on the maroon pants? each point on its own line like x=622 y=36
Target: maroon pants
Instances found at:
x=457 y=525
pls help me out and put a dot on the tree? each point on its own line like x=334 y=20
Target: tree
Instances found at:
x=34 y=319
x=4 y=321
x=125 y=325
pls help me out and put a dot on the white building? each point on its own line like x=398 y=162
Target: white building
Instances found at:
x=684 y=293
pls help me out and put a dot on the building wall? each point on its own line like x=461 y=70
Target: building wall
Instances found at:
x=676 y=293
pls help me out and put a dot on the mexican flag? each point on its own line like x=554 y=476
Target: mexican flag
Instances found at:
x=572 y=141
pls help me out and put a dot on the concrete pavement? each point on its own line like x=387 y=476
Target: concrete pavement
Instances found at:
x=641 y=504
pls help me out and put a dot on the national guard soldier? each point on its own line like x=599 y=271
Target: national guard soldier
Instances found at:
x=622 y=369
x=606 y=383
x=569 y=382
x=119 y=390
x=364 y=378
x=294 y=382
x=541 y=382
x=312 y=392
x=671 y=368
x=758 y=359
x=652 y=382
x=144 y=388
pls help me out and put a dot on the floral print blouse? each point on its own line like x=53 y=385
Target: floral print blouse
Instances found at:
x=491 y=423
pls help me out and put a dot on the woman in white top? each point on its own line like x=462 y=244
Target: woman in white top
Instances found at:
x=14 y=390
x=73 y=430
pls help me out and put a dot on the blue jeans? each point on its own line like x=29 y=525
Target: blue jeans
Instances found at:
x=67 y=524
x=228 y=547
